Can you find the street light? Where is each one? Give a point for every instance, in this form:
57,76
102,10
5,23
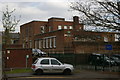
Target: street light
27,56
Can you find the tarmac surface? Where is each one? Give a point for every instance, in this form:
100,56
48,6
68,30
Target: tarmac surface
83,74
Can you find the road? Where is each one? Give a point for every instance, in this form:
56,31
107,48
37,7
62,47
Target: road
82,75
62,78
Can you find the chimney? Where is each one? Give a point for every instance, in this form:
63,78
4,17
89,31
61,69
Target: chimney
76,20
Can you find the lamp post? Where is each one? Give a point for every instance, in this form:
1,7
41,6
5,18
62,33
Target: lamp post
27,56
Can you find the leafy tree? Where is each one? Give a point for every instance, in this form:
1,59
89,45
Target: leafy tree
9,23
102,15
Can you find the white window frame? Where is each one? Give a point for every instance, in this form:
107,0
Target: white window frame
65,27
70,27
43,43
54,42
105,39
46,42
59,27
50,42
35,44
42,27
117,37
39,44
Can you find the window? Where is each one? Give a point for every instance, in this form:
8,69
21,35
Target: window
23,45
36,44
42,29
65,27
59,27
39,44
54,42
43,43
50,42
45,62
46,42
70,27
50,28
117,37
54,62
36,61
105,39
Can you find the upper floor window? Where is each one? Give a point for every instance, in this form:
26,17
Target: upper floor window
65,27
42,29
105,39
50,28
59,27
117,37
70,27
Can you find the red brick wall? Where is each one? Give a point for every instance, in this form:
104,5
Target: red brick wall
16,58
95,47
12,46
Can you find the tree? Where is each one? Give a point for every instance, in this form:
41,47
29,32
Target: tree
9,23
102,15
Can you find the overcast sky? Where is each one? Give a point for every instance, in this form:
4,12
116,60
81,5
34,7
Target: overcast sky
39,10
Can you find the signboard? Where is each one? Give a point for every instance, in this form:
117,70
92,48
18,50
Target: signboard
108,47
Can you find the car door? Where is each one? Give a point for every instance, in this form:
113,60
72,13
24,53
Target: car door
45,65
56,66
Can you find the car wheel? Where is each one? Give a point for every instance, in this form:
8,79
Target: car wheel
67,72
39,72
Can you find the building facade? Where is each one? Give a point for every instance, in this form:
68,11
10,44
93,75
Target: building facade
59,36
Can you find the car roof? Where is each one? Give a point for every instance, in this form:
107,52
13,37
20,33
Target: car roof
46,58
97,54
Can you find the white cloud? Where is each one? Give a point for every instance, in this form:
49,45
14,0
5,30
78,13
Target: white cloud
35,0
38,10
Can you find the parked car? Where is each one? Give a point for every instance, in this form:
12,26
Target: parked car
116,59
51,65
116,55
101,60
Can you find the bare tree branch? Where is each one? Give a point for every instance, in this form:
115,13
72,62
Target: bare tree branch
9,23
104,14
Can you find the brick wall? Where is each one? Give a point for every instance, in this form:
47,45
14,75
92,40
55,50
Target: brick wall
16,58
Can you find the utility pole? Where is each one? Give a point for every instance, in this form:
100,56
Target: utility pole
1,70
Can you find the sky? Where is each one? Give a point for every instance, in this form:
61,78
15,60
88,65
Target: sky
39,10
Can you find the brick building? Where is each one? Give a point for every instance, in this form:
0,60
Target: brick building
59,36
18,58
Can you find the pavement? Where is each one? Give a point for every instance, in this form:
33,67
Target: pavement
82,74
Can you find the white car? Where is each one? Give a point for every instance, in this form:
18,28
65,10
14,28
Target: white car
51,65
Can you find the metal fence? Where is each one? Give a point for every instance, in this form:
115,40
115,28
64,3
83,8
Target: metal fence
81,61
75,59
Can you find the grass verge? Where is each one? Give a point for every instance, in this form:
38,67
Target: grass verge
18,71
